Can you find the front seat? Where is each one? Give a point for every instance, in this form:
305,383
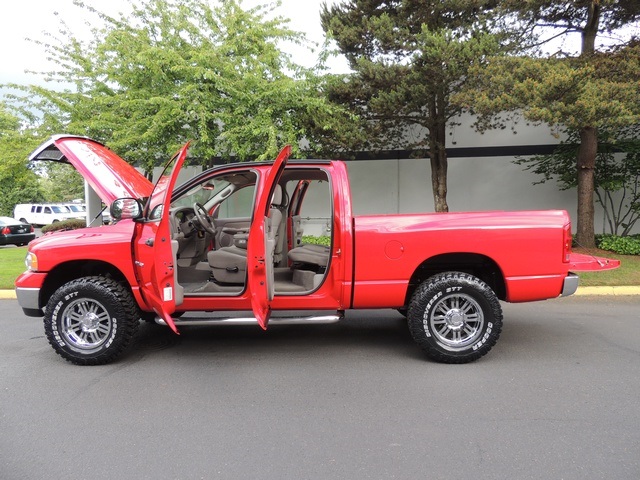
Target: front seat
229,264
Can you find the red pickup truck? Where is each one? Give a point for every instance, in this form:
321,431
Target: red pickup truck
230,240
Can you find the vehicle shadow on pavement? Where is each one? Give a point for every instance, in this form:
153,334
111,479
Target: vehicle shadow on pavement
363,336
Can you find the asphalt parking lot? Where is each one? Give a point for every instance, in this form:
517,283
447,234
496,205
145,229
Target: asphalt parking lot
556,398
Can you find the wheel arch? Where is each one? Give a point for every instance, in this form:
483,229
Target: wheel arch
75,269
478,265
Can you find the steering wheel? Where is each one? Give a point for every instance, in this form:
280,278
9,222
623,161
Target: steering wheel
204,219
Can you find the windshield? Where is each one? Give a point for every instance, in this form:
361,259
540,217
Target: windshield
215,191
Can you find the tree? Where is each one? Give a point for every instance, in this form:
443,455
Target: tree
597,89
174,70
18,184
408,57
61,182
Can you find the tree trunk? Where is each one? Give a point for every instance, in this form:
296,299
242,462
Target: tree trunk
586,163
439,166
439,181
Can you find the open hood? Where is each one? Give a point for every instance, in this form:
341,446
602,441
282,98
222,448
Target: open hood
108,174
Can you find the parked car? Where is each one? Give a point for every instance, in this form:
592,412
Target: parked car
81,210
42,213
13,232
78,209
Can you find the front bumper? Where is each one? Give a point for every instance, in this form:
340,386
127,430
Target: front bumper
28,299
28,287
570,284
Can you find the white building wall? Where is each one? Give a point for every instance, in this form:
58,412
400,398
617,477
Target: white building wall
488,183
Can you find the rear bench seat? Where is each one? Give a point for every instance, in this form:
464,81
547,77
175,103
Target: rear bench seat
317,255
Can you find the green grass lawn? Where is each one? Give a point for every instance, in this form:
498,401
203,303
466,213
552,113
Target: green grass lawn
12,265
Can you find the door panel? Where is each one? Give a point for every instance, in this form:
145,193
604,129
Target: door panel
155,251
260,249
232,225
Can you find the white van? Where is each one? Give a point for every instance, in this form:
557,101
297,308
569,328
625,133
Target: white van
42,213
80,210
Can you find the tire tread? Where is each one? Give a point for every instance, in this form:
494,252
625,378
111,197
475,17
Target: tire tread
128,327
419,302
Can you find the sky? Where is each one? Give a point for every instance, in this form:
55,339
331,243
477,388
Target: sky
25,19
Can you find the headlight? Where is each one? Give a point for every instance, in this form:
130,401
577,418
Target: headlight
31,261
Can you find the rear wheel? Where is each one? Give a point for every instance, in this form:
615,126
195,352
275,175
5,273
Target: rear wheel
91,320
455,317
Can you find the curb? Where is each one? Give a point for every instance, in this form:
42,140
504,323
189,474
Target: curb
582,291
7,294
616,291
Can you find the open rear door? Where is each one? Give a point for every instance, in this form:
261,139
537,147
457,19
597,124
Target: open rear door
154,253
260,248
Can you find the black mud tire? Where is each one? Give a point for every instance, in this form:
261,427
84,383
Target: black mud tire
455,317
91,320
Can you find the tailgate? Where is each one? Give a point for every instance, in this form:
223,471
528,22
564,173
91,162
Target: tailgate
579,262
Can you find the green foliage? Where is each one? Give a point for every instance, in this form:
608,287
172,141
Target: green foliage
629,245
175,70
71,224
18,184
571,92
321,240
61,182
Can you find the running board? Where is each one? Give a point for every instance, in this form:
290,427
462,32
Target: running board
310,320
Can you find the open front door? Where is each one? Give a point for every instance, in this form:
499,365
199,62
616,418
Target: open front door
154,251
261,246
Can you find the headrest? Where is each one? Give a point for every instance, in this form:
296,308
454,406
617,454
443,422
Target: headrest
277,196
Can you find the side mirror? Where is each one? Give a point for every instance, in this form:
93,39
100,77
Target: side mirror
123,208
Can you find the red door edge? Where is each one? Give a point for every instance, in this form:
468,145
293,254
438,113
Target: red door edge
258,271
161,291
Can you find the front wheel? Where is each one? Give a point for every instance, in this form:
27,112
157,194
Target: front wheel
91,320
455,317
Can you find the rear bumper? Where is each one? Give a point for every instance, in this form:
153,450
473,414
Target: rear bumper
17,239
570,284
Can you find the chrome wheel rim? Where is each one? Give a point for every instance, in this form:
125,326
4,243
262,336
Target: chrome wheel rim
86,324
456,321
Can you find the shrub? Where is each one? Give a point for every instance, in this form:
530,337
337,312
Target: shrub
322,240
72,224
628,245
